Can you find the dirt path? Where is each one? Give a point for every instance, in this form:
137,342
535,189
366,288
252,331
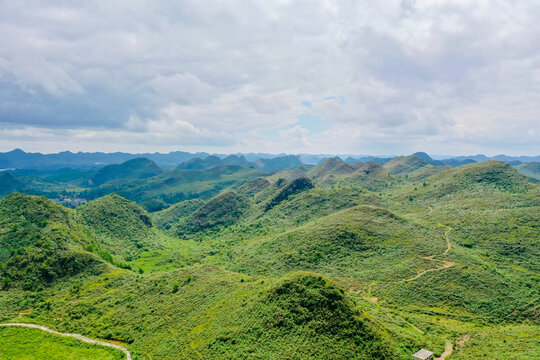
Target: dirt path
448,245
76,336
445,265
447,351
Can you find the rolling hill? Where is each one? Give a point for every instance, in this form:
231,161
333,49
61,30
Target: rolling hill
41,243
531,169
214,161
164,218
279,163
405,164
9,184
330,171
371,176
293,265
161,191
235,314
140,168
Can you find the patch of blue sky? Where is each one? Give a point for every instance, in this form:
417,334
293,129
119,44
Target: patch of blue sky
312,123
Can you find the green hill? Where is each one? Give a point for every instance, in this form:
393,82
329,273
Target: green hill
289,175
121,226
370,175
296,186
330,171
140,168
41,243
279,163
199,163
324,167
253,187
223,210
405,164
161,191
427,171
214,161
9,184
343,240
214,314
356,246
236,160
166,218
531,169
471,178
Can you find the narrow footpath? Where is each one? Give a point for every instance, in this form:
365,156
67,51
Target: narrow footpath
447,351
445,264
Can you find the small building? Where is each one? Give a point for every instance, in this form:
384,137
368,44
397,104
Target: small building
423,354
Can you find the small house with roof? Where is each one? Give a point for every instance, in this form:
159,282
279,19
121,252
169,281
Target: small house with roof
423,354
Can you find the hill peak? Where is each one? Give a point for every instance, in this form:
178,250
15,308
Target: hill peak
491,174
423,155
405,164
138,168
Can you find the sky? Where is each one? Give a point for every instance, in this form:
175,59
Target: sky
359,77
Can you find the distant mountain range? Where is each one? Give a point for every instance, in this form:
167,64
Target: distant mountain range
19,159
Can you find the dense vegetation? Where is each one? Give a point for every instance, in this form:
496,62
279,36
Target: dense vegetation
340,261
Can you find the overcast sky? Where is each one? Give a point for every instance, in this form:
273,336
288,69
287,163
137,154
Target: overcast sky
364,77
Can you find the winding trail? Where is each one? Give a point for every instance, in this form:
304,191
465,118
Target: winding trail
447,351
76,336
445,265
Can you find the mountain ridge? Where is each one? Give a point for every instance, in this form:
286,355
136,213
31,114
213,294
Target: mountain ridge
19,159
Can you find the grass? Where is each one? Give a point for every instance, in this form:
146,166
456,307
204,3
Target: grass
33,344
506,342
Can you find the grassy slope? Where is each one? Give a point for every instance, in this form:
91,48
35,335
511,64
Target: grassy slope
206,312
505,342
33,344
121,226
164,219
356,243
330,171
427,171
124,235
40,243
371,176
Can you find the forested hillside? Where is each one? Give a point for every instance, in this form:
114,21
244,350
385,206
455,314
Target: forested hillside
338,261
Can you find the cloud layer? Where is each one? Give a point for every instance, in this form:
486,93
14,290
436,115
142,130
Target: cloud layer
384,77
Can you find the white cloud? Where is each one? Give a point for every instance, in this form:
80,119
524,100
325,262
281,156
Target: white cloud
32,72
386,77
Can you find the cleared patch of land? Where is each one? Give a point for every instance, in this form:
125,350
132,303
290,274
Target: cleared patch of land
25,343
